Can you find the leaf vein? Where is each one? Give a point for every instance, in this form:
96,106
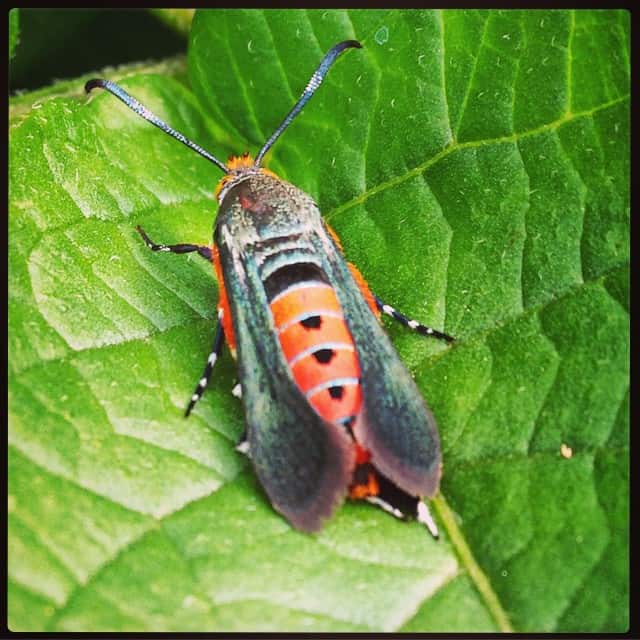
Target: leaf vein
450,242
529,311
583,191
468,561
439,13
463,105
241,83
50,550
572,28
471,144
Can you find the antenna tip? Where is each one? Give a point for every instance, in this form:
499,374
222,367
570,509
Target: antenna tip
350,43
93,83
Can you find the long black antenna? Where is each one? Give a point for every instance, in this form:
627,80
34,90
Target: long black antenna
141,110
313,84
315,81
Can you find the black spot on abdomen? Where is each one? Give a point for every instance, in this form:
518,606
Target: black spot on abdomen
324,356
336,392
312,322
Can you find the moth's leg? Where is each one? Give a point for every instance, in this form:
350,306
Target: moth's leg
412,324
424,516
218,341
401,505
377,306
422,513
205,252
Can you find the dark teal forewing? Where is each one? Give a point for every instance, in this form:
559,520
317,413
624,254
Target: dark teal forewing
395,425
304,463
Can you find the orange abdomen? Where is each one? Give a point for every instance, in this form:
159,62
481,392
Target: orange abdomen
321,353
319,349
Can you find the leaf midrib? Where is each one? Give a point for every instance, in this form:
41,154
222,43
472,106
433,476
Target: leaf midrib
468,561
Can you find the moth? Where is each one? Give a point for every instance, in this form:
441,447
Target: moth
331,411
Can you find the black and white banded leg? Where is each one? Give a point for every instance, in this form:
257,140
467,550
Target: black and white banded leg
422,513
402,505
205,252
412,324
424,516
218,341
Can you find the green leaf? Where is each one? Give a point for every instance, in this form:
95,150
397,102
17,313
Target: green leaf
177,19
14,31
64,43
475,165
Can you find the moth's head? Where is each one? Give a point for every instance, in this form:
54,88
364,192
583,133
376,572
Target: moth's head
238,168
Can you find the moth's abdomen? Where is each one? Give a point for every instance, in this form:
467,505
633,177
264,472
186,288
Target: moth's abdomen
318,348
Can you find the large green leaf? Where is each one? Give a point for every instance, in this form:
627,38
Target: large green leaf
177,19
475,165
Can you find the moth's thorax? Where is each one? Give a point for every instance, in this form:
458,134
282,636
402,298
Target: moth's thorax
269,221
240,168
259,205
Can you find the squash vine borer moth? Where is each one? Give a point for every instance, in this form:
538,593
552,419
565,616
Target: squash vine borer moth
330,409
